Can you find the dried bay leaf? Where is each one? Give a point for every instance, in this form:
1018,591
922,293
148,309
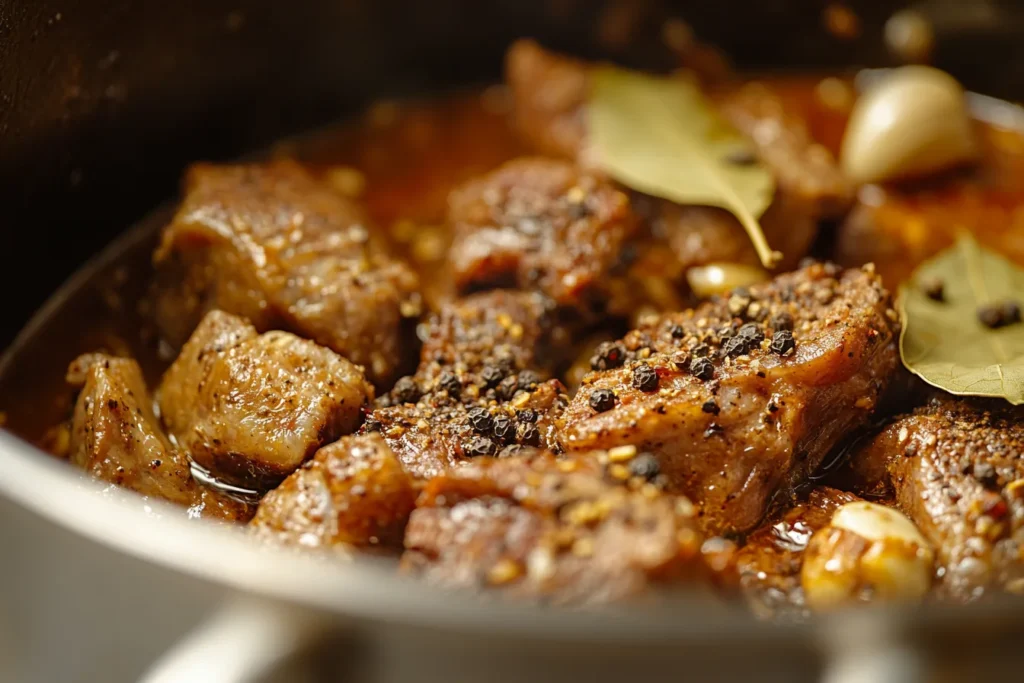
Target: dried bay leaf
944,343
662,137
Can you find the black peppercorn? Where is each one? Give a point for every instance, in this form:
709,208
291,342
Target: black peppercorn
752,332
736,346
528,415
528,379
783,342
677,331
645,378
406,390
491,376
781,321
528,434
480,420
504,430
479,446
507,388
602,400
701,351
450,382
645,465
711,407
608,355
702,368
681,360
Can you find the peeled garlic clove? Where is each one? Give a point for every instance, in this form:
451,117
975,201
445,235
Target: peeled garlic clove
866,552
719,278
912,123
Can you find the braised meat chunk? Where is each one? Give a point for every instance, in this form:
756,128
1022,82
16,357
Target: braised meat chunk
480,387
251,408
741,398
116,437
575,531
353,493
540,224
956,469
550,92
769,564
269,243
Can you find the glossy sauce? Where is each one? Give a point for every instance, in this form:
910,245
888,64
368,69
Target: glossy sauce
402,159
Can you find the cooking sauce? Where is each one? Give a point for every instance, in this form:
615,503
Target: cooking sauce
401,159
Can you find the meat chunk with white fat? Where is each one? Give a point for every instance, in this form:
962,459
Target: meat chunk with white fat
354,493
250,408
741,398
271,244
956,468
482,385
543,225
569,531
116,438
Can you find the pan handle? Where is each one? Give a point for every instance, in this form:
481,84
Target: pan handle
240,643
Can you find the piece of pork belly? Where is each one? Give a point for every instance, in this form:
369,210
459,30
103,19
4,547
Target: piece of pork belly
250,408
770,562
540,224
590,529
353,493
116,437
480,388
742,397
550,91
270,243
956,467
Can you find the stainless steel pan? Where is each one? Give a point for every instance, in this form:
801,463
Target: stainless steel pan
101,103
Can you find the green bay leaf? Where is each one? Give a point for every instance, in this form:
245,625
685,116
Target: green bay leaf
663,137
944,343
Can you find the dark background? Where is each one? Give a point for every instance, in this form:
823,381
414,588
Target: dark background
102,102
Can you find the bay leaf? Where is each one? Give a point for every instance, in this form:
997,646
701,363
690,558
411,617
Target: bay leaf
663,137
944,343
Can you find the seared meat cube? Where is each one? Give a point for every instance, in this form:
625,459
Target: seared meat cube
743,397
479,388
550,94
542,225
956,469
353,492
769,564
440,431
561,531
251,408
271,244
116,437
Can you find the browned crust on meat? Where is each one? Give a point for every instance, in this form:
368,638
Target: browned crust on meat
763,422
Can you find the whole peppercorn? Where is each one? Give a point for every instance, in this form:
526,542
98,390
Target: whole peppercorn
450,382
783,342
736,346
710,407
479,446
608,355
504,430
701,351
702,368
781,321
480,420
491,376
602,400
507,388
645,378
406,390
528,434
677,331
528,379
528,415
645,465
752,332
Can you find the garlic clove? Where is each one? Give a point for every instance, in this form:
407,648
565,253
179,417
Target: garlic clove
912,123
